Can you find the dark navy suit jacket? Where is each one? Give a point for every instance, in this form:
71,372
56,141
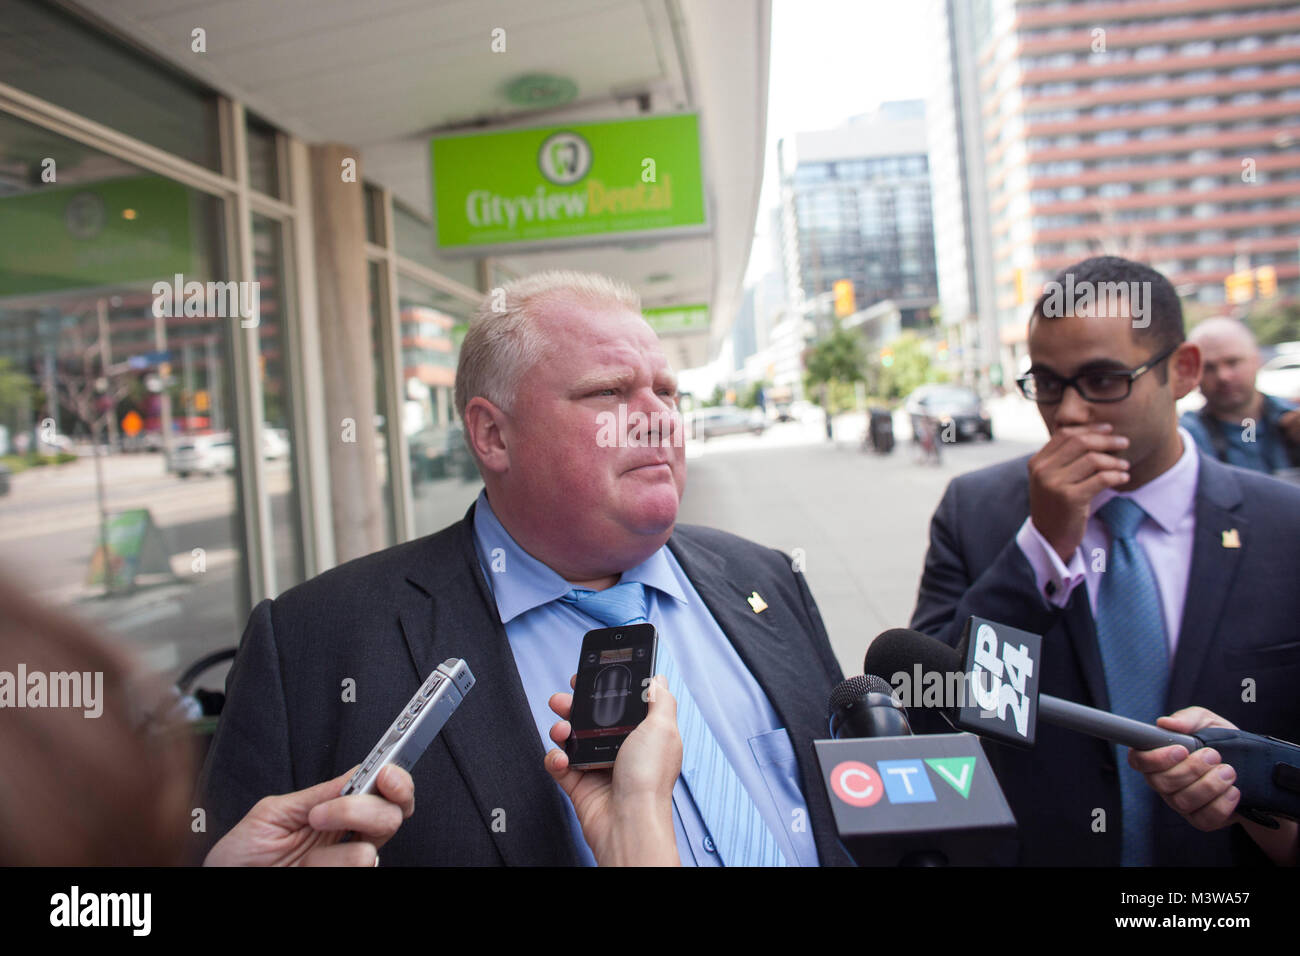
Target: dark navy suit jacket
1240,629
483,796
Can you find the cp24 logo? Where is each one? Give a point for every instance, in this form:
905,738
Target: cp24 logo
988,687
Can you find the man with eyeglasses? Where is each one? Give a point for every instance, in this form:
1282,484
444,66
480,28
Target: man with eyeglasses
1160,578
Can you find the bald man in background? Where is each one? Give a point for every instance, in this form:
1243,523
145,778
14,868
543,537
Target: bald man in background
1230,360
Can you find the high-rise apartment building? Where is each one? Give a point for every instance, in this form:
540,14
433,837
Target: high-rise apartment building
962,237
1167,132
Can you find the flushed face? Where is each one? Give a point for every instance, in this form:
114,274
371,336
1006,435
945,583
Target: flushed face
601,502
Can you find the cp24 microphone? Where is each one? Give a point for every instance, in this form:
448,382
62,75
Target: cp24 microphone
997,697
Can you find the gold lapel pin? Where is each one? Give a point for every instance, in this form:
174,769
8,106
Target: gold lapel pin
1231,539
757,603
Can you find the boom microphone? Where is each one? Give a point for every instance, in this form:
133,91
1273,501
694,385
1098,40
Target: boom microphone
903,651
1000,670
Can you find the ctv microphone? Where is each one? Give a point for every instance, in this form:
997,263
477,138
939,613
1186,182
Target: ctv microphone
901,800
863,707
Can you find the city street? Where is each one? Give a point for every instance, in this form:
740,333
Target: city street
862,520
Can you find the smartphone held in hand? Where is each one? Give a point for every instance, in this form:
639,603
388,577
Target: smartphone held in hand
612,692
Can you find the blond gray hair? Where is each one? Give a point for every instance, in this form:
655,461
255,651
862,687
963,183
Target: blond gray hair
503,341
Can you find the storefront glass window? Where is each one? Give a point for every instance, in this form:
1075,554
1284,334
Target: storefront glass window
46,52
444,478
263,160
378,315
279,445
116,407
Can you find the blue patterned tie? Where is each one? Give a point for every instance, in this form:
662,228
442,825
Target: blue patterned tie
734,823
1135,657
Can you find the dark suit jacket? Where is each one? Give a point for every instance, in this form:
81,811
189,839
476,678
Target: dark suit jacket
1241,622
388,619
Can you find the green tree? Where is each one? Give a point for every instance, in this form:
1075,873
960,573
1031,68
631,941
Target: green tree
750,398
17,395
909,368
832,364
1275,323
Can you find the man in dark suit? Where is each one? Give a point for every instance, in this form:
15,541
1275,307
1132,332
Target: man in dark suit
569,407
1159,577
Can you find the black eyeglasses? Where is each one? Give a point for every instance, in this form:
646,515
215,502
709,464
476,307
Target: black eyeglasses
1107,385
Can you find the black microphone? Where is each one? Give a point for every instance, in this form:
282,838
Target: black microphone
863,707
918,656
1268,769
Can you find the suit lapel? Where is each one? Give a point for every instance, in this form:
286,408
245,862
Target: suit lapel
1082,628
772,659
1214,568
450,612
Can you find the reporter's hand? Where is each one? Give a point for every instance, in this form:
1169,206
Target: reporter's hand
1066,474
1199,786
626,813
303,828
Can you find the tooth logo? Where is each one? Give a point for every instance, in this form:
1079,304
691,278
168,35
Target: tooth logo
565,158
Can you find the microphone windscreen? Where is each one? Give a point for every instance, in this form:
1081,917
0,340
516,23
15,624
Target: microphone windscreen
901,649
851,691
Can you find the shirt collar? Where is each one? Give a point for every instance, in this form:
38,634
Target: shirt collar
529,583
1168,497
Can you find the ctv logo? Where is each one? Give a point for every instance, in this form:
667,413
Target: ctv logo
902,781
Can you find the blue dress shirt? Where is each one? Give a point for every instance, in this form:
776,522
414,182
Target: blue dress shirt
545,636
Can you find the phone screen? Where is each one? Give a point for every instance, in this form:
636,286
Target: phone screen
612,692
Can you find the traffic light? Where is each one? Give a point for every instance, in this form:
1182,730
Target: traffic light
844,303
1239,287
886,357
1266,281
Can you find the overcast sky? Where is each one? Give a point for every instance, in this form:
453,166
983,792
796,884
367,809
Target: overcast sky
832,59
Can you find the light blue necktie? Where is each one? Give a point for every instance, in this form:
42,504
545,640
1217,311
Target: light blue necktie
737,828
1135,657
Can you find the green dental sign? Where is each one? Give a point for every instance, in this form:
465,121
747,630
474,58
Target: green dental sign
678,318
568,182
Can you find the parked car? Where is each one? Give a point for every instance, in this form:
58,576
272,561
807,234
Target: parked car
203,454
275,443
950,403
1280,375
439,452
727,420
